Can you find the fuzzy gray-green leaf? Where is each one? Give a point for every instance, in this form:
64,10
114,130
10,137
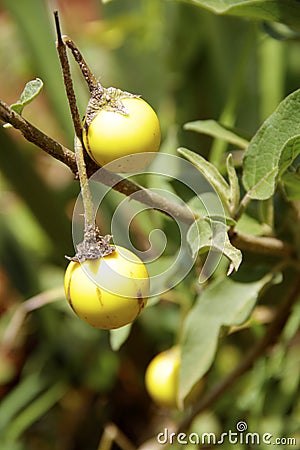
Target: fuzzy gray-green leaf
210,172
30,92
273,149
216,130
206,234
234,185
223,303
118,336
283,11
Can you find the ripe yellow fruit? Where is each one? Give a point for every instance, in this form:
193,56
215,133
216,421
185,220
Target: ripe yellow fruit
161,377
109,292
112,135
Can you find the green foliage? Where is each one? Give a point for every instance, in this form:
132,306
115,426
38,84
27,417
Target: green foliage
30,92
255,9
250,226
224,80
273,149
291,185
234,195
33,411
19,398
211,173
211,235
36,33
119,336
43,202
223,303
217,130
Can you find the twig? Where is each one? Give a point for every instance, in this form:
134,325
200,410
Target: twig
88,75
112,434
93,245
115,181
37,137
32,134
89,215
62,53
17,320
272,334
261,244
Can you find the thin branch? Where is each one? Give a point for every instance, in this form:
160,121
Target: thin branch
271,336
20,314
146,196
112,434
89,216
262,245
115,181
88,75
62,53
37,137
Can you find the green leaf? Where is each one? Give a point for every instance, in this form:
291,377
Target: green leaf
249,225
210,172
19,397
216,130
266,215
287,12
206,234
290,153
234,185
35,29
223,303
118,336
11,445
291,185
208,205
30,92
35,410
273,149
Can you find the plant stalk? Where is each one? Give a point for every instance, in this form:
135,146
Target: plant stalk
89,214
88,75
256,244
94,245
62,53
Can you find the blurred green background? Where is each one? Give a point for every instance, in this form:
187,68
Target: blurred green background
60,381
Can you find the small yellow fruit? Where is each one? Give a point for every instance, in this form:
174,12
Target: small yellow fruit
161,377
108,292
112,135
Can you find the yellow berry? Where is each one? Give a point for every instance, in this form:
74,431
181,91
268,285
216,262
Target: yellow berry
112,135
108,292
161,377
